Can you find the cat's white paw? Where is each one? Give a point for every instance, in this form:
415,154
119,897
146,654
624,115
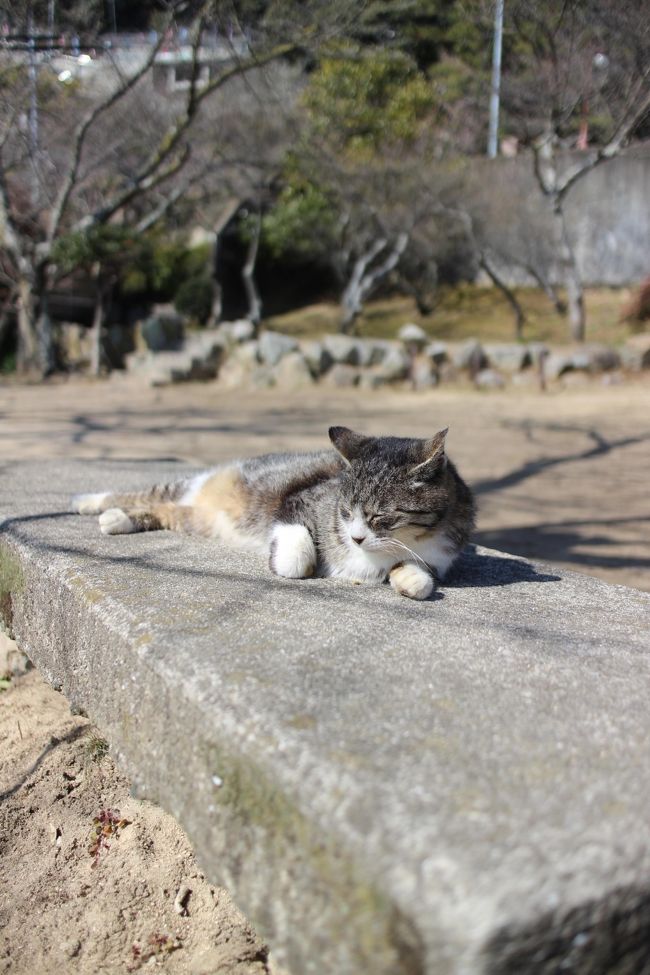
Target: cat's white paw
115,522
412,581
293,553
88,504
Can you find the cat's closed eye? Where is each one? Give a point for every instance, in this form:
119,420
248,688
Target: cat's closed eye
414,511
345,512
387,522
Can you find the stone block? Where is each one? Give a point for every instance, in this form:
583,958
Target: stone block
395,363
247,353
596,358
508,357
455,786
423,373
489,379
161,333
413,336
637,351
274,345
318,358
241,330
469,356
343,349
342,375
556,364
437,352
293,372
373,378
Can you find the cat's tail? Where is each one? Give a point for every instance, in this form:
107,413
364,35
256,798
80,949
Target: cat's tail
95,504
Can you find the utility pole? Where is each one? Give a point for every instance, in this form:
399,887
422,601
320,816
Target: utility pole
32,116
496,80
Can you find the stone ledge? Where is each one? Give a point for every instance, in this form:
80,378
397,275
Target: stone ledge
457,786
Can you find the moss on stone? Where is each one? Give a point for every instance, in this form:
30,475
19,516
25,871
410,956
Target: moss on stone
384,938
11,582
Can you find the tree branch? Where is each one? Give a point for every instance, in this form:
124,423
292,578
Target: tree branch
9,236
139,187
631,119
82,130
146,178
168,201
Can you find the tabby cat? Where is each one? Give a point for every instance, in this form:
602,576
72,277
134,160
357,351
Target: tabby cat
373,508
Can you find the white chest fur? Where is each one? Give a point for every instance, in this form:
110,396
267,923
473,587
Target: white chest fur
436,550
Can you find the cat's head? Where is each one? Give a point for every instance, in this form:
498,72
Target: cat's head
392,488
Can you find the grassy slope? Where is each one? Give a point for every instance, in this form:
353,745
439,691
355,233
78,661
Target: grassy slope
468,311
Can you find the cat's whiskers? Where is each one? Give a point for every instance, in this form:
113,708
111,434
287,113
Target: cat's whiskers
385,544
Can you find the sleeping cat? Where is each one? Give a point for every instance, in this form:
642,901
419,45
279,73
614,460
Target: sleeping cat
375,507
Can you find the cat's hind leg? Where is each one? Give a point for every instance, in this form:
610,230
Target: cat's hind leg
90,504
121,521
293,553
95,504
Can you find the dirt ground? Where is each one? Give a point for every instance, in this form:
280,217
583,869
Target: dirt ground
562,477
68,905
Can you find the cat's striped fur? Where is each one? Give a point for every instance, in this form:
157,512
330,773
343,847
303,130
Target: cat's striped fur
374,508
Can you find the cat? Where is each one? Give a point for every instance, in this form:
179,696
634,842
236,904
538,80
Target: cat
373,508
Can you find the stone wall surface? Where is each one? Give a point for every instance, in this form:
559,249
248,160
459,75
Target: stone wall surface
607,215
232,355
455,786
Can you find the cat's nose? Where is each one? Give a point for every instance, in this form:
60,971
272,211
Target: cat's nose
359,539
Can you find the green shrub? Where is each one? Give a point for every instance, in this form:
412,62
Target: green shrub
196,260
194,299
7,363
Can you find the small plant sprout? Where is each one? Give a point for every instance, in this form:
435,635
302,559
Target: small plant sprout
96,747
107,823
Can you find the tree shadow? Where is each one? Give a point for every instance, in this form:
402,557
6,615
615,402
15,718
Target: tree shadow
564,540
194,421
53,743
567,540
601,446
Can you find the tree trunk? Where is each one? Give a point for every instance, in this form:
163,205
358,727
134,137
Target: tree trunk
35,345
27,357
548,289
97,328
46,357
6,317
217,291
254,313
572,281
510,296
364,279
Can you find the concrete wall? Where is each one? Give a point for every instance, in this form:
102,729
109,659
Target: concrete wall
608,212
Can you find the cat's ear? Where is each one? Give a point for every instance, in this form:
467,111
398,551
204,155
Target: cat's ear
433,458
347,442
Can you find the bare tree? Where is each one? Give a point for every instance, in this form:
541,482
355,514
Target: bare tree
573,58
95,162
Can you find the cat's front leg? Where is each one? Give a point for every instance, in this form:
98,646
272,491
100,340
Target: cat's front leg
410,579
293,553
